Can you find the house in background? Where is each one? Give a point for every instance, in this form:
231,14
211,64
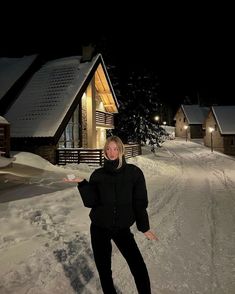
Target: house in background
4,137
189,121
65,109
220,129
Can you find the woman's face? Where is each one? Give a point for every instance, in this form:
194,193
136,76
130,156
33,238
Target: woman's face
112,151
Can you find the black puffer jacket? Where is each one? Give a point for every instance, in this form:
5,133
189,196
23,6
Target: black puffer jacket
118,197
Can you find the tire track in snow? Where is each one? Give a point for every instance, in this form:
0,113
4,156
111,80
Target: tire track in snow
190,162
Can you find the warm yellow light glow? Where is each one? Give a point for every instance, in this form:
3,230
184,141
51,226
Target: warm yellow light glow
157,117
84,97
164,123
185,127
104,91
211,129
101,106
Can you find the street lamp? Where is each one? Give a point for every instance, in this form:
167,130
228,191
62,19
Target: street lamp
186,133
157,118
211,130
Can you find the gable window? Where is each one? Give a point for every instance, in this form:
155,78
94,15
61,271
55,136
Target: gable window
71,135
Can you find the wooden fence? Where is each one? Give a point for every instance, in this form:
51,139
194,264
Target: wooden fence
75,155
90,156
132,150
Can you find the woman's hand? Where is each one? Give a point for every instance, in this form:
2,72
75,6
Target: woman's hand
73,179
150,235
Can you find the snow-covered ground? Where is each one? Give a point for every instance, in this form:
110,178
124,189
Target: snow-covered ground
44,228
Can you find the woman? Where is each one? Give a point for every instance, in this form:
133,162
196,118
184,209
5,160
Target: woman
117,196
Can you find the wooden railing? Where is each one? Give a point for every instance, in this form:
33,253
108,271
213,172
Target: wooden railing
5,140
73,155
104,118
90,156
132,150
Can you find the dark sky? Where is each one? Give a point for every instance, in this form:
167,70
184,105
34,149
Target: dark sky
191,50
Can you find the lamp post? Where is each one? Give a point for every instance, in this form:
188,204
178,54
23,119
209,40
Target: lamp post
186,133
211,130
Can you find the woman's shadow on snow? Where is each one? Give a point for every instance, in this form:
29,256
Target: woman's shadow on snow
76,258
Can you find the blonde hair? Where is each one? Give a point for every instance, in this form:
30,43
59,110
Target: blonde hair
120,146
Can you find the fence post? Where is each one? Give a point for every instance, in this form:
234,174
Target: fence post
100,152
78,156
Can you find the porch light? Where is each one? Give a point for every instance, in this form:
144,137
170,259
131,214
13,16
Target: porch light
211,129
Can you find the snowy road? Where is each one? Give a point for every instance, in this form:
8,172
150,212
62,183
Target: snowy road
44,243
193,212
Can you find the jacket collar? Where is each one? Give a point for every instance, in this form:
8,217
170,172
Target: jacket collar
111,165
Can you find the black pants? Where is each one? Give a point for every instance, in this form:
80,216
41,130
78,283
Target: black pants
102,250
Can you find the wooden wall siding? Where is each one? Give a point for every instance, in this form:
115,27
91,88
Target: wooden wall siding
104,119
104,90
84,122
179,125
5,140
229,145
90,156
48,152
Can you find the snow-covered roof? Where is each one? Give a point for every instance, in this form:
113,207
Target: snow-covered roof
11,69
42,106
225,118
3,121
195,114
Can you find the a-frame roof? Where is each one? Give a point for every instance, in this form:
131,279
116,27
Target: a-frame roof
195,114
53,92
225,118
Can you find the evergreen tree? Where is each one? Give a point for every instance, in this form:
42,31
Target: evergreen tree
136,89
139,104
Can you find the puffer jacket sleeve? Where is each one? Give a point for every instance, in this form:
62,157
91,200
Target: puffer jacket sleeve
140,202
89,192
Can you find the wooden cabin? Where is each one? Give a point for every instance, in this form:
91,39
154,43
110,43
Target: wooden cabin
4,137
66,108
220,129
189,121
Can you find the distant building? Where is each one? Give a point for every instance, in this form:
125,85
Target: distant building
220,129
189,121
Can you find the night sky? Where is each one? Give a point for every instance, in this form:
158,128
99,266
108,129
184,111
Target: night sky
191,51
